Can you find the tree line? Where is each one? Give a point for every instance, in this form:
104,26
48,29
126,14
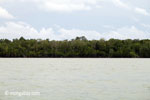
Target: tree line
78,47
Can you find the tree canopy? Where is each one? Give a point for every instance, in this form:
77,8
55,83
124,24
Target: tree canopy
78,47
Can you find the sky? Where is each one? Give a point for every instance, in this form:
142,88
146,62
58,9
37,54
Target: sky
67,19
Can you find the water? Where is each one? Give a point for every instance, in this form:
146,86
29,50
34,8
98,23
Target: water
75,79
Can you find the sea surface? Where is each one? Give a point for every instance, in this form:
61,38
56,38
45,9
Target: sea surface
74,79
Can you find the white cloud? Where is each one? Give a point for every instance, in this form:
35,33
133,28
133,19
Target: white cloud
132,8
142,11
128,33
119,3
5,14
72,33
122,33
66,6
16,29
61,5
146,25
78,5
13,30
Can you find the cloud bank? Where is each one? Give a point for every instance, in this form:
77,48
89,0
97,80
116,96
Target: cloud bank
13,30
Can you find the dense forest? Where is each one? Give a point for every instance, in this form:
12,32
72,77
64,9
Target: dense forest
78,47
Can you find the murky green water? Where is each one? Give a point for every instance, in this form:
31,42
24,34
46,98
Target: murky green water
75,79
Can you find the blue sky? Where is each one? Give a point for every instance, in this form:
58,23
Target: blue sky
66,19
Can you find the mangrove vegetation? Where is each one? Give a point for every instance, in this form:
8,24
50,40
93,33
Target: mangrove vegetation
78,47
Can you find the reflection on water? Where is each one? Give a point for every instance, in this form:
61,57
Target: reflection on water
76,79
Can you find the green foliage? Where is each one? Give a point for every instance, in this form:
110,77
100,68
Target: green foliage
78,47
